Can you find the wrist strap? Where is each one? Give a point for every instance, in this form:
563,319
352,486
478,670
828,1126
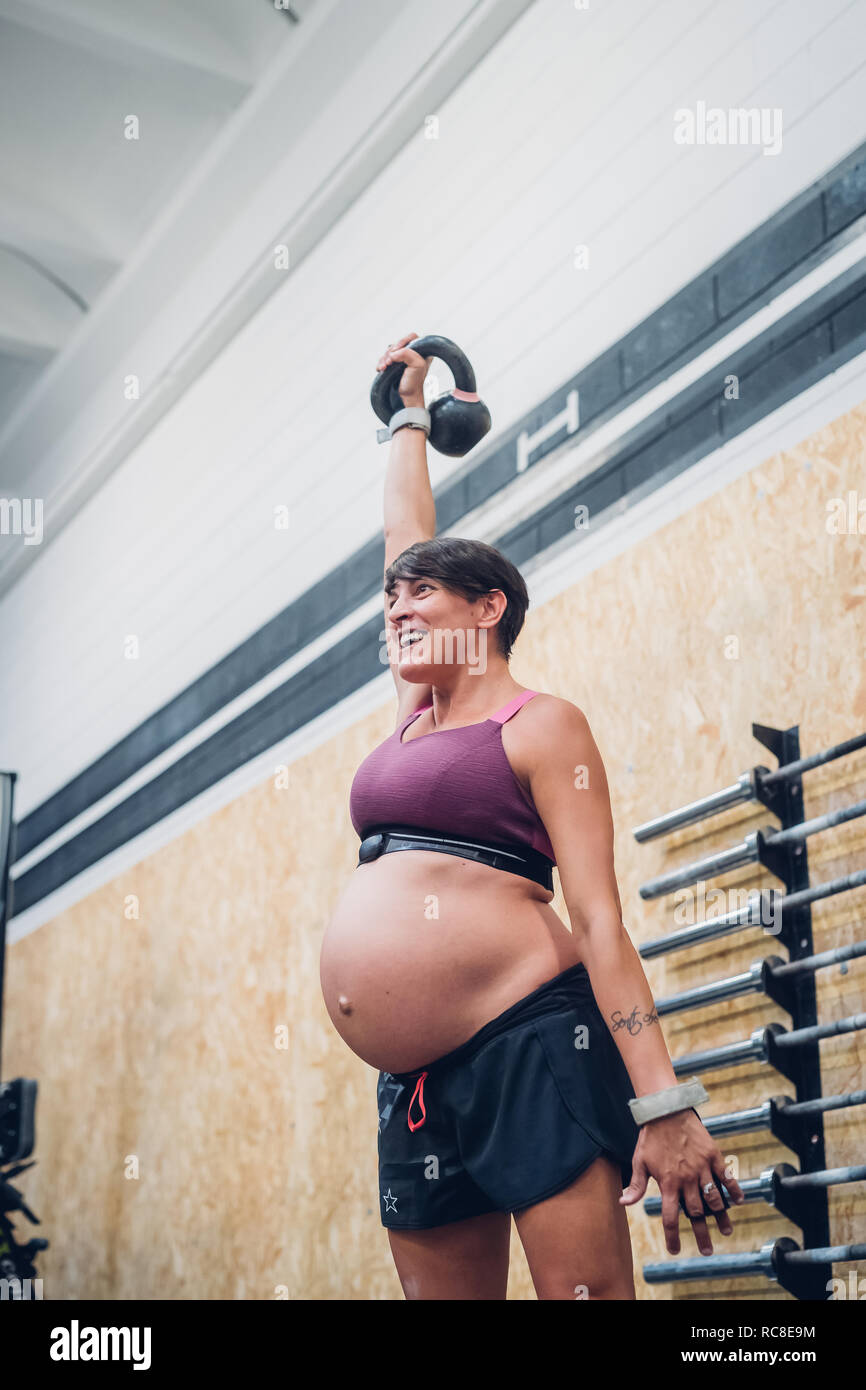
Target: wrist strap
416,416
685,1096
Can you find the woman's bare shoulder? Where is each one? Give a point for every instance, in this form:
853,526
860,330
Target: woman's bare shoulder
543,724
549,717
548,707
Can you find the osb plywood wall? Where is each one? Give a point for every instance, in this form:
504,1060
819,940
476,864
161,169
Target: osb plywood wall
202,1132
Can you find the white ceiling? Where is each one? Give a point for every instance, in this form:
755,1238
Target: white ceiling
79,197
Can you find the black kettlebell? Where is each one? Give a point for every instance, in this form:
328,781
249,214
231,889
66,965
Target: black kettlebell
458,419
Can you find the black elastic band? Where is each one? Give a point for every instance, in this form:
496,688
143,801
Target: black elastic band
708,1210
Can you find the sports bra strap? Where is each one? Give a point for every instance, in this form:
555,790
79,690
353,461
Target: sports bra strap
503,715
416,712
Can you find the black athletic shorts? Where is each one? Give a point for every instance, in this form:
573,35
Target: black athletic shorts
510,1117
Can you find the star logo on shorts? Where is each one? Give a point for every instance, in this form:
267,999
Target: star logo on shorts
389,1197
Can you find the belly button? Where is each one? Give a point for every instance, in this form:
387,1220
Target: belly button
345,1006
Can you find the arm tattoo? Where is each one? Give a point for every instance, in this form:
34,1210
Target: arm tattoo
633,1022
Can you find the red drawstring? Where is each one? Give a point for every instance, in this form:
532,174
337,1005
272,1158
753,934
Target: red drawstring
419,1092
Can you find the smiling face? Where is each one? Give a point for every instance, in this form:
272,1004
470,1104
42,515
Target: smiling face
431,627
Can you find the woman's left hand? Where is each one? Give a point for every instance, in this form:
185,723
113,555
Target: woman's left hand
680,1154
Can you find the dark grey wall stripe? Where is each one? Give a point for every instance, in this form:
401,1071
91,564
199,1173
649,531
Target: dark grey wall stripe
800,235
288,632
334,675
816,338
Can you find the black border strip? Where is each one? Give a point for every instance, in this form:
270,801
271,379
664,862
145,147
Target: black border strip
799,236
815,339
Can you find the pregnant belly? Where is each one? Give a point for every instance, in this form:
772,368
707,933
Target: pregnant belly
423,949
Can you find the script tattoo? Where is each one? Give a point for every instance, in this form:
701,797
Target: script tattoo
634,1022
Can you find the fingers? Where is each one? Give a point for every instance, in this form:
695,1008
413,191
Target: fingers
637,1186
671,1218
695,1212
689,1195
733,1187
695,1195
714,1197
392,352
391,355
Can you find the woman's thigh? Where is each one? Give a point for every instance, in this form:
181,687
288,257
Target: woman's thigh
464,1259
577,1243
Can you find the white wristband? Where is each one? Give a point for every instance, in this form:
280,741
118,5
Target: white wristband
414,415
667,1102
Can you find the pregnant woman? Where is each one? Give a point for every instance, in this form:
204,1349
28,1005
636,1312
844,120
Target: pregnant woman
508,1045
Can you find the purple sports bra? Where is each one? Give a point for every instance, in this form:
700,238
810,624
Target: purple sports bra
452,781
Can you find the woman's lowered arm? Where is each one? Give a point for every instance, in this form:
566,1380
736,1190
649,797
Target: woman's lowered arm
570,790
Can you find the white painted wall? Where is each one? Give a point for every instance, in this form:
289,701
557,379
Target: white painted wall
561,135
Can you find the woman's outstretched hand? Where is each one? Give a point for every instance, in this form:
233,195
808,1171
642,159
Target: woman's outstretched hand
411,388
679,1153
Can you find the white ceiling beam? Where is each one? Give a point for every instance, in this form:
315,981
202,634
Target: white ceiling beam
159,53
36,307
50,238
47,233
14,345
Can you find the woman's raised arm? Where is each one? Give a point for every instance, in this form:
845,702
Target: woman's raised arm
409,508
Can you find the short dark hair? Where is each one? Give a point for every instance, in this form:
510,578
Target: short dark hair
470,568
